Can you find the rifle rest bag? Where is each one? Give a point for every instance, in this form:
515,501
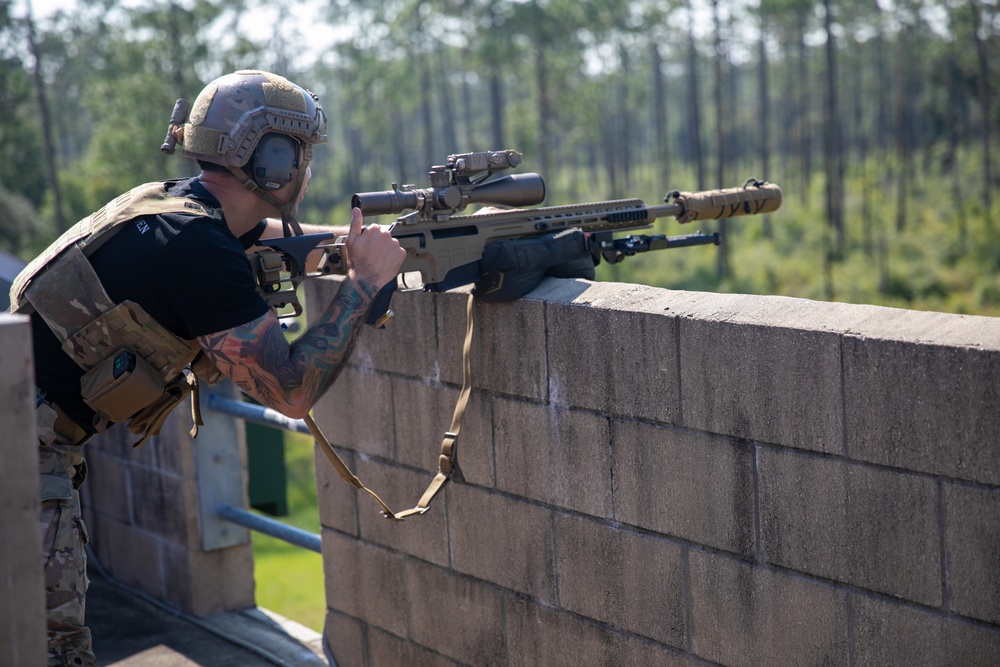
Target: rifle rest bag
512,268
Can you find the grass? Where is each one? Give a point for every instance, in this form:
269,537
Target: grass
290,578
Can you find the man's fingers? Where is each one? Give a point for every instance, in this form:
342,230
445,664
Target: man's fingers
356,225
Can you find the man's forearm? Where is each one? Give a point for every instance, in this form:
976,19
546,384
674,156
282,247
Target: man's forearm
323,350
290,379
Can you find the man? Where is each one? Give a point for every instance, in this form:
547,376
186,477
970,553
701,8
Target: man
158,282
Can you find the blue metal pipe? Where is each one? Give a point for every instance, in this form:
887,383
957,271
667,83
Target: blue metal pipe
255,413
281,531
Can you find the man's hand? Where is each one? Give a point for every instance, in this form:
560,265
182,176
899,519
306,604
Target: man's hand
373,256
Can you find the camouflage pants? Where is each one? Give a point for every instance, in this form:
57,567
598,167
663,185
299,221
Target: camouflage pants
64,537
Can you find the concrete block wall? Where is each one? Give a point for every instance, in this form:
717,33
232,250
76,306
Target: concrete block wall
22,598
144,514
653,477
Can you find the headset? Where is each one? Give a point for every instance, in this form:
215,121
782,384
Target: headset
275,161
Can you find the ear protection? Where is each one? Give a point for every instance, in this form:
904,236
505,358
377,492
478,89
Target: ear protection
274,162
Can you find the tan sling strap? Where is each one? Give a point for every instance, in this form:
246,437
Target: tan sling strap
446,460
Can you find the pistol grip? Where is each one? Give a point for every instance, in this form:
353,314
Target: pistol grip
379,313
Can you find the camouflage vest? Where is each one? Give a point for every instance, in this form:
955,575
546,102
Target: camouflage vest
63,288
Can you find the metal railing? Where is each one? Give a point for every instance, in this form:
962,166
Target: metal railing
259,414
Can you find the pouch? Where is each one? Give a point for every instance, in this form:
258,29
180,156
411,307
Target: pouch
121,385
512,268
148,421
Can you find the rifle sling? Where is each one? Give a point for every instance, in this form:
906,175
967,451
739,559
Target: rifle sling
446,460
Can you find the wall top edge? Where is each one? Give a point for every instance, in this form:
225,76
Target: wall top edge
863,321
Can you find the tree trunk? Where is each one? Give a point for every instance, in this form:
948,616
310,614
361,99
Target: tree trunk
721,139
803,125
764,114
660,114
51,164
449,128
987,112
544,107
694,104
624,111
832,141
496,87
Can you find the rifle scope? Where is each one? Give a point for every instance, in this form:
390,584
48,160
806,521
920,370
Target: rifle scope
513,190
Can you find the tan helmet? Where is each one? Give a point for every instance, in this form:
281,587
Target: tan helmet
233,113
259,126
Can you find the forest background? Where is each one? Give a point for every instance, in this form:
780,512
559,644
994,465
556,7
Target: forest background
878,118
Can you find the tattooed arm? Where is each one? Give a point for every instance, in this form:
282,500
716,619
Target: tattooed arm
291,378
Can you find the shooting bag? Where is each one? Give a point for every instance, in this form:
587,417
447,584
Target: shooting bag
135,368
510,269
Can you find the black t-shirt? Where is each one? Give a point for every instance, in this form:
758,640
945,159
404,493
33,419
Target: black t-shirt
189,272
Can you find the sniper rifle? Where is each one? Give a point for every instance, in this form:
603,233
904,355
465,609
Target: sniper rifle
446,249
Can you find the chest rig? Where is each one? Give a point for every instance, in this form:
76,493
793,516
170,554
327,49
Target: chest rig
135,369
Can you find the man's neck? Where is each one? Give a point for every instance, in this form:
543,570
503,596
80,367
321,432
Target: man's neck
242,208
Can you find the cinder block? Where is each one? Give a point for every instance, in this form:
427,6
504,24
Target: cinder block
748,615
173,452
765,383
924,407
972,550
386,649
356,413
132,556
508,345
452,307
509,350
366,582
163,504
424,536
889,633
615,361
854,523
629,581
503,541
640,652
405,345
455,615
337,500
684,483
107,485
541,636
345,638
423,413
205,582
220,580
557,456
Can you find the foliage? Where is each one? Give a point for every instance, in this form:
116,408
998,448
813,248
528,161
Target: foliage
290,579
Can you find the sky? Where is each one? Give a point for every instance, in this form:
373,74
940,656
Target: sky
259,25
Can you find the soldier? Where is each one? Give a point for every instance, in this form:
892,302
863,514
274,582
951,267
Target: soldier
141,298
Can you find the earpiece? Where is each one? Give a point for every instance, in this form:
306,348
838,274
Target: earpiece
274,161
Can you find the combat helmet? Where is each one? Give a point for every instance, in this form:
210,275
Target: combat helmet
258,125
